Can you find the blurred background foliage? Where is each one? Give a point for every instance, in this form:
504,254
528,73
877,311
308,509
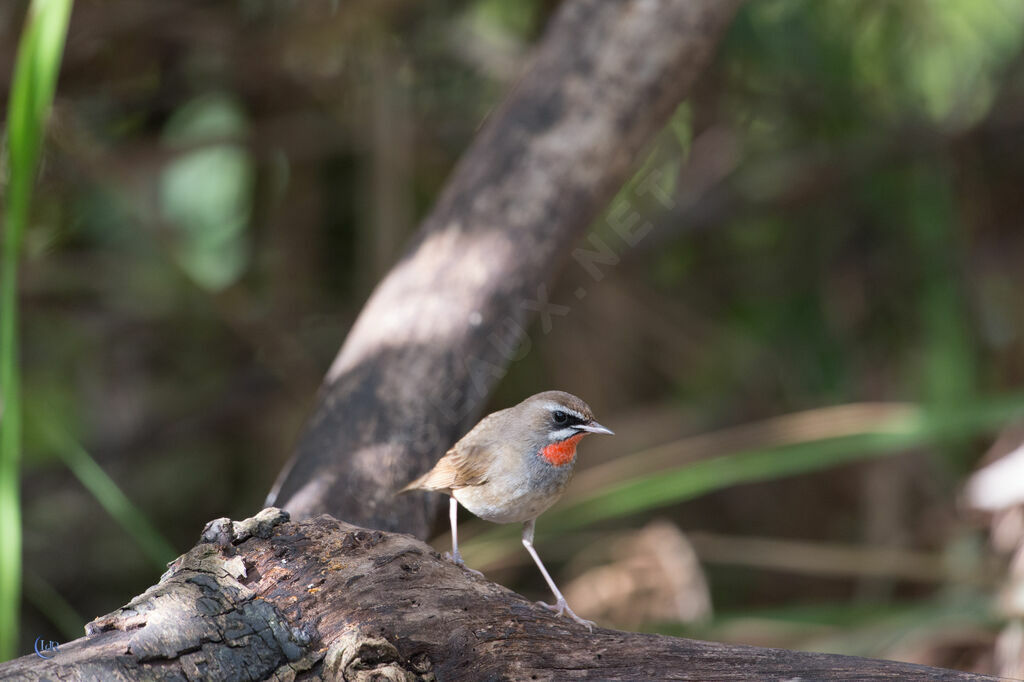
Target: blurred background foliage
804,357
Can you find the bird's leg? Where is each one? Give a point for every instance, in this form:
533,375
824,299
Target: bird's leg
455,557
561,606
453,513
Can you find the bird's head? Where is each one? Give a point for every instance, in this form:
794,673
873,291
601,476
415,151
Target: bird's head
559,420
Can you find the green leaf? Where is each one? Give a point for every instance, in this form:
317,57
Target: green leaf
35,77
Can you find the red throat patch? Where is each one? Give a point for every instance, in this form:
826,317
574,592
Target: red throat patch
560,454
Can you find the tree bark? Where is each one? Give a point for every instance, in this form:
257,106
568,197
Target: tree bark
267,598
443,326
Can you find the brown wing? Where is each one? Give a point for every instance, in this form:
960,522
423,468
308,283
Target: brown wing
459,468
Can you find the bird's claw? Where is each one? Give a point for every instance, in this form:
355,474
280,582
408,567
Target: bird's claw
561,608
457,560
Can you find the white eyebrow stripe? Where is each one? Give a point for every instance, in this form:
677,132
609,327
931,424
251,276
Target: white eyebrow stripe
555,407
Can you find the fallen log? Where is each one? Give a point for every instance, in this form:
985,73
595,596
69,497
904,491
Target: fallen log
267,598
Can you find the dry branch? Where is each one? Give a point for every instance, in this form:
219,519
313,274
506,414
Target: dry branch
267,598
442,327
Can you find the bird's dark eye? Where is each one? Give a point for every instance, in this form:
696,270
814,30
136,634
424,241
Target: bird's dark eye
560,417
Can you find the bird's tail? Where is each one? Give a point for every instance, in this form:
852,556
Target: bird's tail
415,485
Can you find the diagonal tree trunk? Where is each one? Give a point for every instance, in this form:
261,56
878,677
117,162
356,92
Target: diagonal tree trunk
270,599
443,326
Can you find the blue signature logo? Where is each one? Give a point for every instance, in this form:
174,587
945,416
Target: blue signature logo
42,648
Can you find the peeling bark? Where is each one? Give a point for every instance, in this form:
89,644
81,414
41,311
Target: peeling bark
443,326
267,598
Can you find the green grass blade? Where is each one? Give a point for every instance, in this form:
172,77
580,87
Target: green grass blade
152,543
911,428
52,604
35,77
664,488
659,489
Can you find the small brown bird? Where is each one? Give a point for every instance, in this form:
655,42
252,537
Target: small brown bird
512,466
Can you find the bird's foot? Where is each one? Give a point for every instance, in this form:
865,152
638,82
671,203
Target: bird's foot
457,560
562,609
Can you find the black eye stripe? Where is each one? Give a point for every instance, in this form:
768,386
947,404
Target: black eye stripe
562,418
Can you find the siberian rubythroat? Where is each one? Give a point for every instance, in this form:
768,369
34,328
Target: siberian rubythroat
512,466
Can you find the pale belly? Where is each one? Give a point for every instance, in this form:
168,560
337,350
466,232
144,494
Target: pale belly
513,506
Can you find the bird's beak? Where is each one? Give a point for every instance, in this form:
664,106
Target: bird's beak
594,427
